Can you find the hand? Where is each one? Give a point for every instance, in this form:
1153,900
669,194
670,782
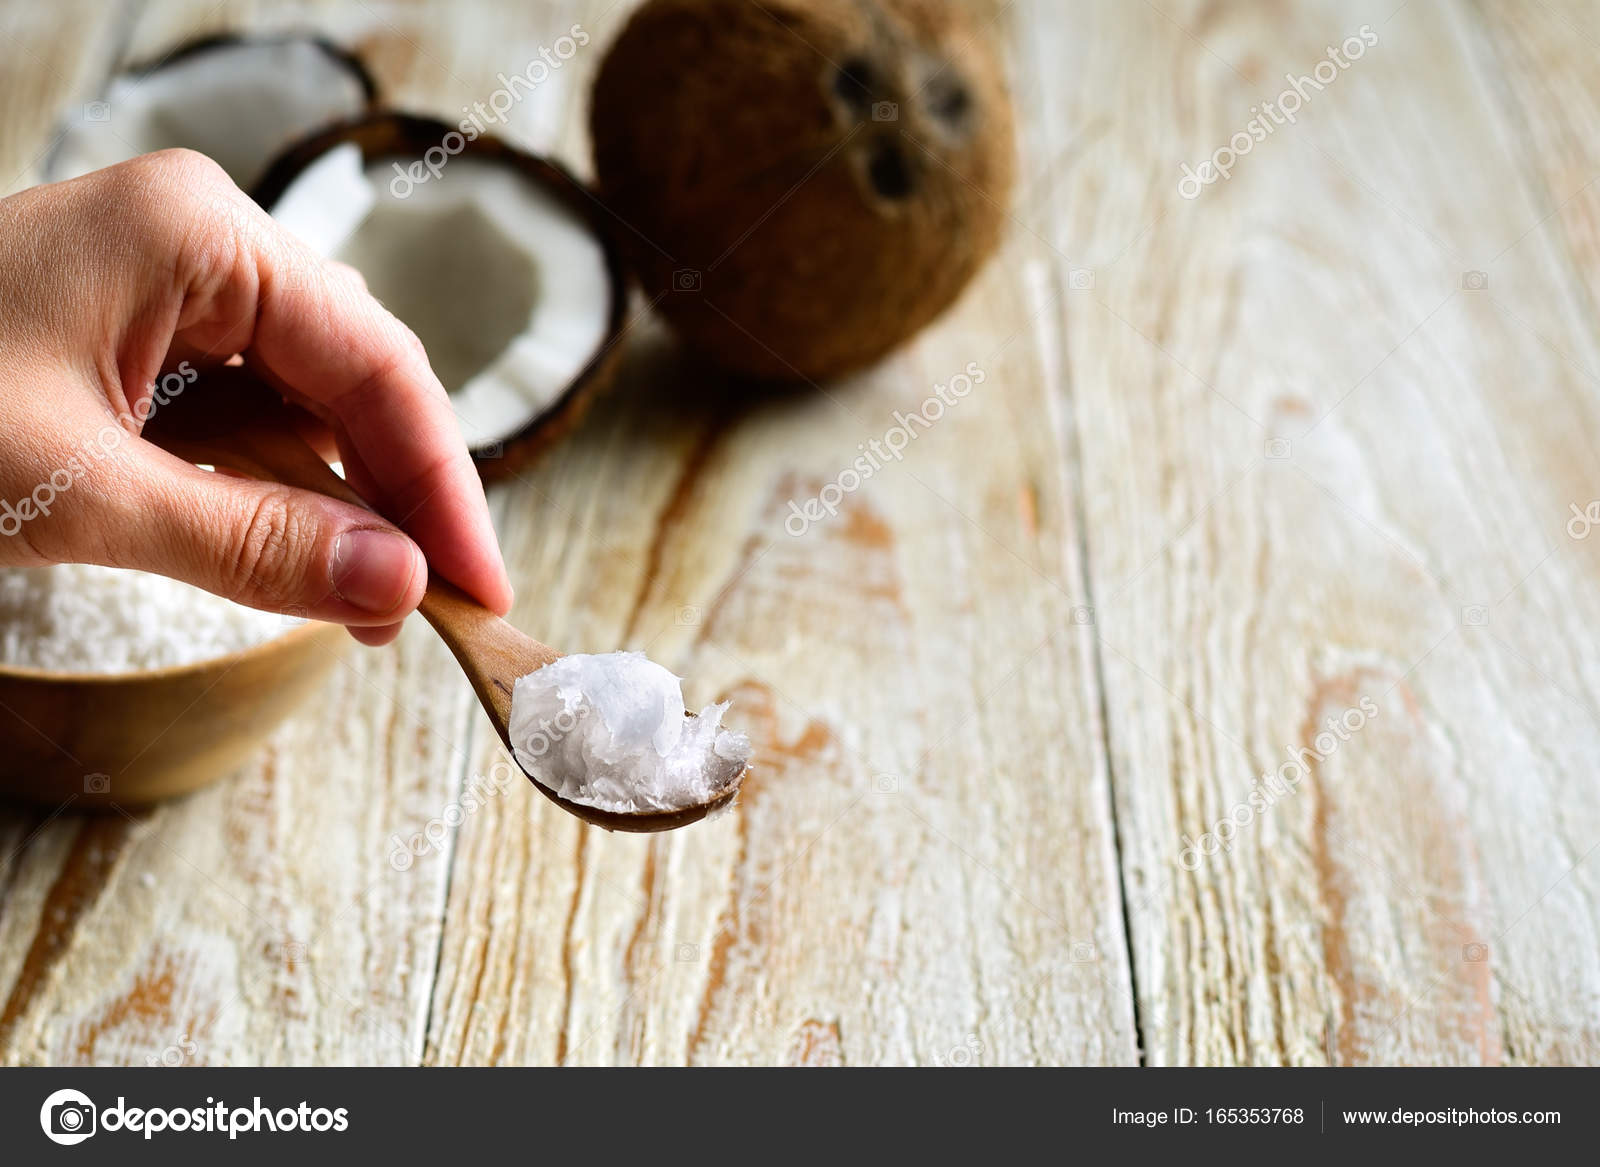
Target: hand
156,270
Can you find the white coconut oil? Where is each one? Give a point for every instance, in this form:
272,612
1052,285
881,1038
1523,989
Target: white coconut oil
610,731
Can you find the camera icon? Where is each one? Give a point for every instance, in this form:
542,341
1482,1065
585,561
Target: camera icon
687,616
1475,953
293,616
97,783
885,111
97,111
1474,615
1081,279
686,953
1474,281
490,450
68,1117
885,784
1084,953
1083,615
1277,449
293,952
72,1118
686,279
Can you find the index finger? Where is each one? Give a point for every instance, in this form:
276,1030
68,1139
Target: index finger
327,340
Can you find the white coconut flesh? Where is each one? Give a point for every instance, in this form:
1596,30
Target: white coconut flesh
507,288
240,103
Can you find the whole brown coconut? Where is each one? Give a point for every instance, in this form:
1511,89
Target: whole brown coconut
805,183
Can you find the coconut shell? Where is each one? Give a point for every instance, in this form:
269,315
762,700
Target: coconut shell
176,133
806,183
404,137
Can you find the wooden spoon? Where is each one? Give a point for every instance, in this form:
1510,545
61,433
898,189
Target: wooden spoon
237,421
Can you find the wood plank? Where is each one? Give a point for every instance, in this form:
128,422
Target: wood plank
262,920
927,843
1544,282
57,56
1319,467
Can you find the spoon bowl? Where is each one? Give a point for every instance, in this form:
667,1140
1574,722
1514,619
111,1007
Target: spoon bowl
493,654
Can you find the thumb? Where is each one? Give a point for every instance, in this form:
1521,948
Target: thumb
269,546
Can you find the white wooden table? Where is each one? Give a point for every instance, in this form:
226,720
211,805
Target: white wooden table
1239,462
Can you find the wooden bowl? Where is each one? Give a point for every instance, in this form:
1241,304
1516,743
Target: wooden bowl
132,738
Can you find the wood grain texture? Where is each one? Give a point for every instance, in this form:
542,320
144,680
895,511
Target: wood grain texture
1236,464
1334,409
260,921
57,58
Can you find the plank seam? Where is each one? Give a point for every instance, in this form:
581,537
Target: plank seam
1075,483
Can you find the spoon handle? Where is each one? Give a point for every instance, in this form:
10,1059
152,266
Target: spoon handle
241,423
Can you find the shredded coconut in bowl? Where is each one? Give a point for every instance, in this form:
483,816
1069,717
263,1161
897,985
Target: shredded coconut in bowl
82,618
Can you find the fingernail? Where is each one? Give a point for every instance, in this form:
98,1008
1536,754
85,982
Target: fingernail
372,569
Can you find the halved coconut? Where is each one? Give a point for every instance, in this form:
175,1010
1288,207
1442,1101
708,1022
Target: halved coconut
499,261
239,100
